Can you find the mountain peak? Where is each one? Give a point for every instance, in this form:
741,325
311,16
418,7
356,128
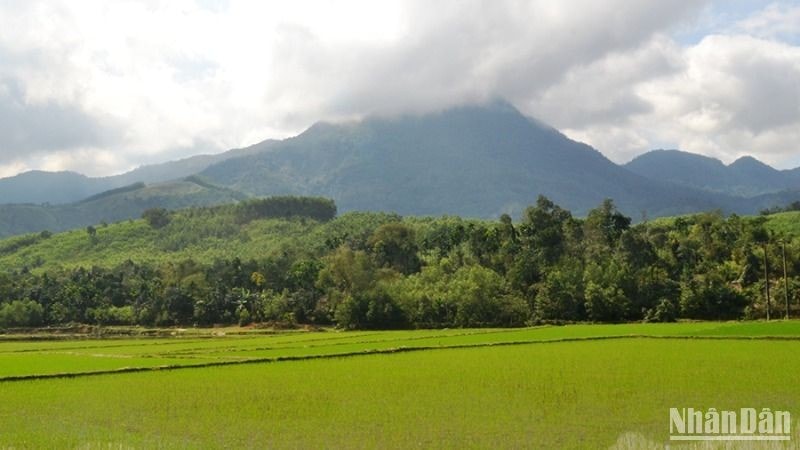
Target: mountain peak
476,160
751,162
746,177
674,156
495,107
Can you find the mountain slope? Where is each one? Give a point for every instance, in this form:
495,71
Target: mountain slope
173,170
38,186
66,187
476,161
118,204
745,177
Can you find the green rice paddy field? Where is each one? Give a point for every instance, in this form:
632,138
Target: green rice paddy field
577,386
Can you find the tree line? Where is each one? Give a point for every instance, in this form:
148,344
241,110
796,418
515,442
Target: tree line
548,267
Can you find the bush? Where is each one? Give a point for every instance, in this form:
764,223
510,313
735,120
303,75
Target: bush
711,299
370,310
317,208
112,315
156,217
665,311
21,313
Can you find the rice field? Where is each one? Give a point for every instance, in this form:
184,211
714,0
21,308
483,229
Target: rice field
577,386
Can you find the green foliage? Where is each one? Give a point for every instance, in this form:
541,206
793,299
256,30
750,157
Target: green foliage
156,217
470,296
394,246
543,229
110,207
561,296
372,309
711,297
794,206
15,244
112,315
665,311
604,226
115,191
376,270
316,208
21,313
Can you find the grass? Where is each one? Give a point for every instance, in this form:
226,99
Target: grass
565,395
558,387
97,355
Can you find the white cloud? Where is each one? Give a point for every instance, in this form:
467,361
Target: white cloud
152,80
727,96
170,74
733,93
776,21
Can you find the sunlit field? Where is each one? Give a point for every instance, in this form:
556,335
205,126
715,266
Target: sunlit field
578,386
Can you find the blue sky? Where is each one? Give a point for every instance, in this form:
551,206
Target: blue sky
717,17
101,87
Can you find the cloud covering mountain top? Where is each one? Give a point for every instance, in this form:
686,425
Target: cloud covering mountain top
100,87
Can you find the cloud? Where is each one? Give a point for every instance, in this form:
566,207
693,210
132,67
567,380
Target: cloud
727,96
31,127
129,82
604,93
776,21
467,51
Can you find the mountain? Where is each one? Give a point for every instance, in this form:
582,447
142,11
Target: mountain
66,187
112,206
474,161
477,161
746,177
173,170
38,186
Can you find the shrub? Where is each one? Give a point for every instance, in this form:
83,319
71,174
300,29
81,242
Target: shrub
665,311
112,315
156,217
21,313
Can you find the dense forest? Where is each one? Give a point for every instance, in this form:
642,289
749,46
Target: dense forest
290,260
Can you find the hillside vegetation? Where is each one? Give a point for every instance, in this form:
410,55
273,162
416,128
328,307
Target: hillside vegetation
289,259
116,204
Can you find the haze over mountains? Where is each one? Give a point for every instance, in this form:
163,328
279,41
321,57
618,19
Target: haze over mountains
476,161
39,186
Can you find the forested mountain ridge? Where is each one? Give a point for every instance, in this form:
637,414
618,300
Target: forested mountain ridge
477,161
747,176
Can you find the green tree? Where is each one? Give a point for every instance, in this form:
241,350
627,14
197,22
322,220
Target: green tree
156,217
394,246
21,313
603,227
542,230
560,296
